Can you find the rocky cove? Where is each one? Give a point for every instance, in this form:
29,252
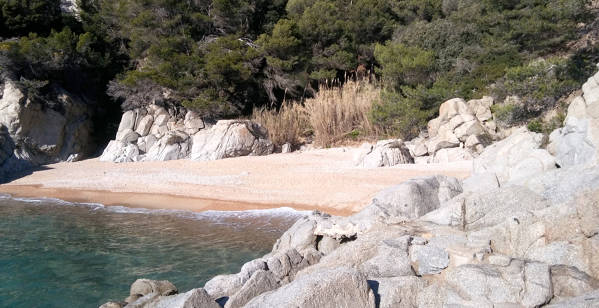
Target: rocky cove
170,133
522,231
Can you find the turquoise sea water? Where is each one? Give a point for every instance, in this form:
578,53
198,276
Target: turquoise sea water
59,254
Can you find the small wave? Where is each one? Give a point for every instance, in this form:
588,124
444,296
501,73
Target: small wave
210,214
53,201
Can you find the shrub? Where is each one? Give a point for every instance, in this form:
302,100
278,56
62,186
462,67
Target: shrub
397,115
504,113
540,84
548,126
535,125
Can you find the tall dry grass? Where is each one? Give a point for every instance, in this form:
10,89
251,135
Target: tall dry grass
287,125
339,112
336,114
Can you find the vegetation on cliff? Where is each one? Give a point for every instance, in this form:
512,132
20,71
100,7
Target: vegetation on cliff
226,58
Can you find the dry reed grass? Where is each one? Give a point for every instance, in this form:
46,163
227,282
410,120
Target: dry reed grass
339,112
287,125
335,115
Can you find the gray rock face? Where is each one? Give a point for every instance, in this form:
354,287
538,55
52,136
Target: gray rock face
231,138
528,284
570,282
261,281
588,300
564,184
515,158
384,153
413,198
390,260
481,182
397,292
341,287
452,155
576,143
300,236
227,285
39,134
428,259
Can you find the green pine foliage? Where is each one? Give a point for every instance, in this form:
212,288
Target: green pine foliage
225,58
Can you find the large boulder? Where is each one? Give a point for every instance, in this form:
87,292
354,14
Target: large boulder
384,153
340,287
515,158
578,141
231,138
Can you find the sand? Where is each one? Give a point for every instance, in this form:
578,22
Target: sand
322,179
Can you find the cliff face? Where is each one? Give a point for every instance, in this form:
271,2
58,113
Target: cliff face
522,231
36,133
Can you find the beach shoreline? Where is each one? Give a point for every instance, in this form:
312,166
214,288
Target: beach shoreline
152,201
325,180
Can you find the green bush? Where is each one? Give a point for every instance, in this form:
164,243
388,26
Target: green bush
396,115
505,114
539,83
535,126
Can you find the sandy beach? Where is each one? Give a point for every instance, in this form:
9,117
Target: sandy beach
324,179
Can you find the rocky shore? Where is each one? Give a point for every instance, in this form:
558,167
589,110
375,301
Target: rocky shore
522,231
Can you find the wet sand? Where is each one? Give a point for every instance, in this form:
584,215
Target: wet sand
324,180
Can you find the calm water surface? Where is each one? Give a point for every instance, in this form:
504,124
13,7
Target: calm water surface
59,254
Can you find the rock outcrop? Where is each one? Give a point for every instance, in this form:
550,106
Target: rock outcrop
153,133
37,133
157,134
461,132
578,141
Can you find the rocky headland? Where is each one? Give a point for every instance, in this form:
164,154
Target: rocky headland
522,231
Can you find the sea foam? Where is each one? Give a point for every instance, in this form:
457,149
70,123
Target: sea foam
214,215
